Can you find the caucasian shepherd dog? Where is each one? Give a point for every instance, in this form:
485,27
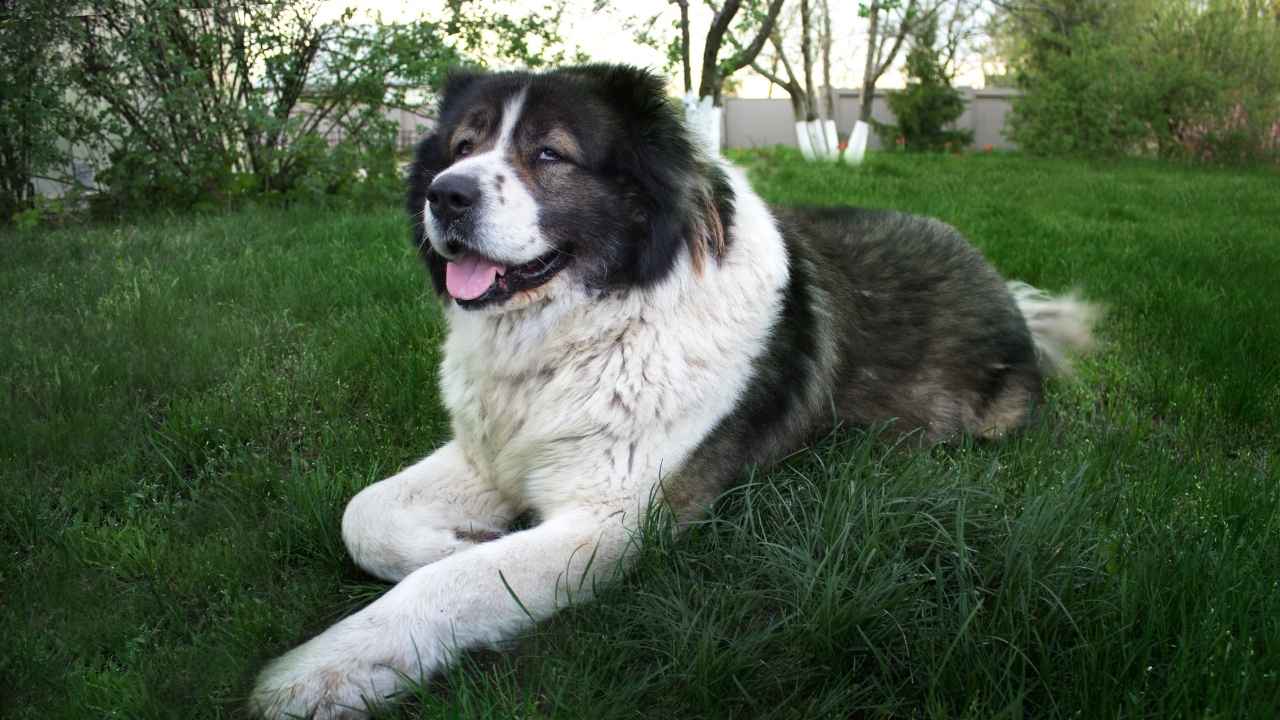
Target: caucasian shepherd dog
630,324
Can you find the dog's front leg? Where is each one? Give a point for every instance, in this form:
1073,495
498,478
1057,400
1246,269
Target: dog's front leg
463,601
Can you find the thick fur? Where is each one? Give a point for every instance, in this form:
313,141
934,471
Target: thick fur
692,331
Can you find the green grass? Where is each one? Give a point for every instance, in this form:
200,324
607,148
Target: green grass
187,404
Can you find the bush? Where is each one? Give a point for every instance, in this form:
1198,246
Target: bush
34,116
1236,135
364,172
1088,100
1182,79
195,101
193,105
929,103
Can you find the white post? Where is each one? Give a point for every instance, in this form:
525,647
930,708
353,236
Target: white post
857,149
804,140
703,119
833,140
713,128
818,139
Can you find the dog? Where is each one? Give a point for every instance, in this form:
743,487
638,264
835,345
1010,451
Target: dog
629,326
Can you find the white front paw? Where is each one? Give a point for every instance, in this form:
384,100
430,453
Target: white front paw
324,679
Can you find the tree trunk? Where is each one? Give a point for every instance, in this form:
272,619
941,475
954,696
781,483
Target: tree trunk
806,53
829,99
801,107
869,72
816,138
709,85
878,60
706,120
713,74
684,45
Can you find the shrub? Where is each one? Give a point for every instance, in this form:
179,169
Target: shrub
929,103
1188,78
194,100
195,104
1087,100
34,116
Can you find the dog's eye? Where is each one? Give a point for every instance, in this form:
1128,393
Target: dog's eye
549,155
463,149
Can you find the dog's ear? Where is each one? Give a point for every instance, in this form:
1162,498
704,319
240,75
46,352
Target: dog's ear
678,196
456,83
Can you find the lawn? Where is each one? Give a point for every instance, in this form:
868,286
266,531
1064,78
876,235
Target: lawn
188,403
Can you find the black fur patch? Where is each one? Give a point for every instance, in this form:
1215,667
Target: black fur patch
787,368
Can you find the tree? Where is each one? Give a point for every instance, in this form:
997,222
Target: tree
888,24
824,43
798,86
733,18
1032,32
962,28
35,116
716,70
929,103
730,22
815,126
686,69
197,102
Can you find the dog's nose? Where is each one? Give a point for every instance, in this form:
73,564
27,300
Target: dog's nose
452,195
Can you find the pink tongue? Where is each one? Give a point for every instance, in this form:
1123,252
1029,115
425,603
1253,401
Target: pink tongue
469,277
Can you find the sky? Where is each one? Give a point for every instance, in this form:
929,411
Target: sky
604,36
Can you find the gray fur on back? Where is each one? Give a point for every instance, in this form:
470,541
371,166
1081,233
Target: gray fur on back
888,318
929,335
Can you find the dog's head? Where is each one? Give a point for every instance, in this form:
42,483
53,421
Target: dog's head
579,178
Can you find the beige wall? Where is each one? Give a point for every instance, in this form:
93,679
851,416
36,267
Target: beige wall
410,126
754,122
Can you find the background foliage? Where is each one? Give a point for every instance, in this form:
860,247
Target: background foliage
34,117
181,105
1193,79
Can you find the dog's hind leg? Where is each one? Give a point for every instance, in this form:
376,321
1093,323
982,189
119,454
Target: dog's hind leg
428,511
1011,408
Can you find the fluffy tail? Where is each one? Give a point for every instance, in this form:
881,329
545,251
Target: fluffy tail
1060,326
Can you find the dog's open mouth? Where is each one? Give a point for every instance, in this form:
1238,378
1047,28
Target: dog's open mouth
475,281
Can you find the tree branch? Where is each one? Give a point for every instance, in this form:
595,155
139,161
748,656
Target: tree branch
748,55
904,27
711,79
685,68
799,104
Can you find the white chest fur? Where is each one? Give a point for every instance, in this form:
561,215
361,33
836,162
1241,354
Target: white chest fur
590,401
